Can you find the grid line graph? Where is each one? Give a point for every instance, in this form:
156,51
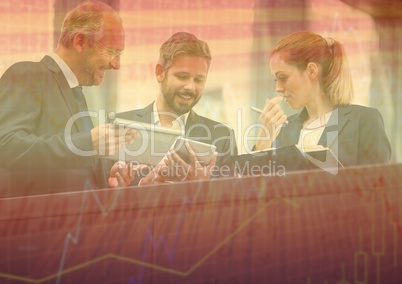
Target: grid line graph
290,198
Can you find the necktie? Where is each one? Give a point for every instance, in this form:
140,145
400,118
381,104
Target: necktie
82,106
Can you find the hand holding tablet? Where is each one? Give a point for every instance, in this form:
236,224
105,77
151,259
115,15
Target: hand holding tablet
190,160
203,151
150,145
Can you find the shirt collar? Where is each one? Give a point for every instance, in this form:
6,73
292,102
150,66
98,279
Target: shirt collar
176,123
70,77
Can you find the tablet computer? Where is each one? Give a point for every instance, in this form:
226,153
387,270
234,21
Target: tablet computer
150,146
203,151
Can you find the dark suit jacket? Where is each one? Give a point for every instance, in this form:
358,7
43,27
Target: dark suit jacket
355,133
201,129
36,104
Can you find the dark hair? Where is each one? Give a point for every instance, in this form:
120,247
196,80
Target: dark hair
183,43
301,48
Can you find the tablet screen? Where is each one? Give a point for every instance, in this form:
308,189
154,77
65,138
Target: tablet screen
150,147
202,150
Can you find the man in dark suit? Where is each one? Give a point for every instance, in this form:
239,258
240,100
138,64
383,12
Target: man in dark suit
47,139
182,73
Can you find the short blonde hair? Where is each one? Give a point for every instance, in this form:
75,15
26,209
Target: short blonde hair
88,19
183,43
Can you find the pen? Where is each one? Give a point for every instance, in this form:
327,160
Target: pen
130,169
260,111
256,109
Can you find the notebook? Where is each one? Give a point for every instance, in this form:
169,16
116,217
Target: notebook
279,161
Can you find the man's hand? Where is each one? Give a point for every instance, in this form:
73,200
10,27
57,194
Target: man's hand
178,170
156,175
122,174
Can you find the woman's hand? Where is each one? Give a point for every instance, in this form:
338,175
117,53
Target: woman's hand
271,119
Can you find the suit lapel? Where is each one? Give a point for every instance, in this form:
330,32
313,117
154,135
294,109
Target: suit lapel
336,124
293,130
290,133
145,115
194,119
65,90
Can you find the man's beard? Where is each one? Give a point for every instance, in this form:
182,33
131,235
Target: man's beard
178,109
